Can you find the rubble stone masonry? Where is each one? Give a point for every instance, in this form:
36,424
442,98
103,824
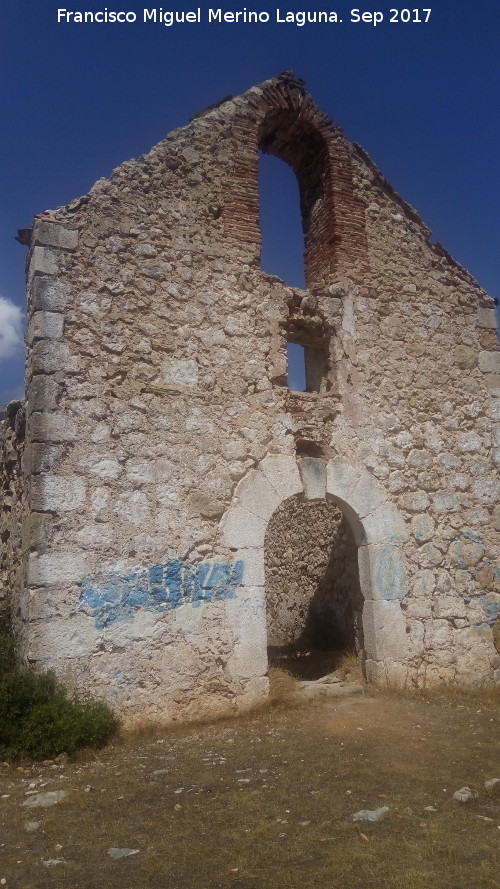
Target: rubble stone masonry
12,512
161,436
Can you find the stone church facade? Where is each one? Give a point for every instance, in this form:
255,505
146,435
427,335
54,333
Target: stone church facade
161,438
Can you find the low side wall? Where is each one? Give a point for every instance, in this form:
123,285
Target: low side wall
11,510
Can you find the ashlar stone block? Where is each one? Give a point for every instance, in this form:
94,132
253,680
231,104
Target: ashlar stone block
384,629
313,474
52,427
489,362
354,486
43,393
385,525
43,457
255,494
55,568
43,262
73,637
52,234
487,318
253,565
51,357
241,529
38,531
283,474
48,294
45,325
382,572
247,617
53,493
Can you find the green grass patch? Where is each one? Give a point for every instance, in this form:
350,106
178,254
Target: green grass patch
38,719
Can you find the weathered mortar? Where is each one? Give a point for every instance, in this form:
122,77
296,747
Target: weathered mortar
161,436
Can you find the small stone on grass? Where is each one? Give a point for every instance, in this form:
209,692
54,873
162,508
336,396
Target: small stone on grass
122,853
491,783
465,794
44,800
371,814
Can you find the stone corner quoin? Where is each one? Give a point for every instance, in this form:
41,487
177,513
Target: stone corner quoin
160,469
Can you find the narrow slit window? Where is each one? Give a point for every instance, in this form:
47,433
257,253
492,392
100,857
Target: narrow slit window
306,368
282,251
315,361
296,367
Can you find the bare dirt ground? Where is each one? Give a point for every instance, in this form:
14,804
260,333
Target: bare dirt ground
267,801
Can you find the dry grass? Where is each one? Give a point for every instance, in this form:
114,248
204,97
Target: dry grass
267,801
487,693
281,684
284,677
350,666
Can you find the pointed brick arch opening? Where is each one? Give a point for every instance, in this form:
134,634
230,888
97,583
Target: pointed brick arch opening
301,145
379,532
280,118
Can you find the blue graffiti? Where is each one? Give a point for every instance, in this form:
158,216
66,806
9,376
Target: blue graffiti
492,608
462,559
390,574
158,588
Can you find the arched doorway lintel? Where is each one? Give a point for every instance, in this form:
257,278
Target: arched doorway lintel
376,523
374,519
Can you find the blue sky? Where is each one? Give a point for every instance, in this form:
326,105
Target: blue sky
77,100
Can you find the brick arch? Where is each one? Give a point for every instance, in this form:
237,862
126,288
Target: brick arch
280,118
380,534
301,144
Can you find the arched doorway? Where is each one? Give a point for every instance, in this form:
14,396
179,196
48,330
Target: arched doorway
314,604
379,533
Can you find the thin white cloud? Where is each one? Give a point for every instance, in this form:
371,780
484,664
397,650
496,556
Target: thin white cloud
11,338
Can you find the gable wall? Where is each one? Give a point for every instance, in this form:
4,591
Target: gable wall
156,383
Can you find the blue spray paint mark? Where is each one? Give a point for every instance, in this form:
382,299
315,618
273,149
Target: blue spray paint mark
467,536
492,608
158,588
390,574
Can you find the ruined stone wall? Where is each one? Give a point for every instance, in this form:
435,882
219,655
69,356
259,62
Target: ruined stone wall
156,387
12,508
313,598
428,411
149,397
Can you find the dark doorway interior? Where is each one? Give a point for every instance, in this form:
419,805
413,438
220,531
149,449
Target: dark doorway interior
313,596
